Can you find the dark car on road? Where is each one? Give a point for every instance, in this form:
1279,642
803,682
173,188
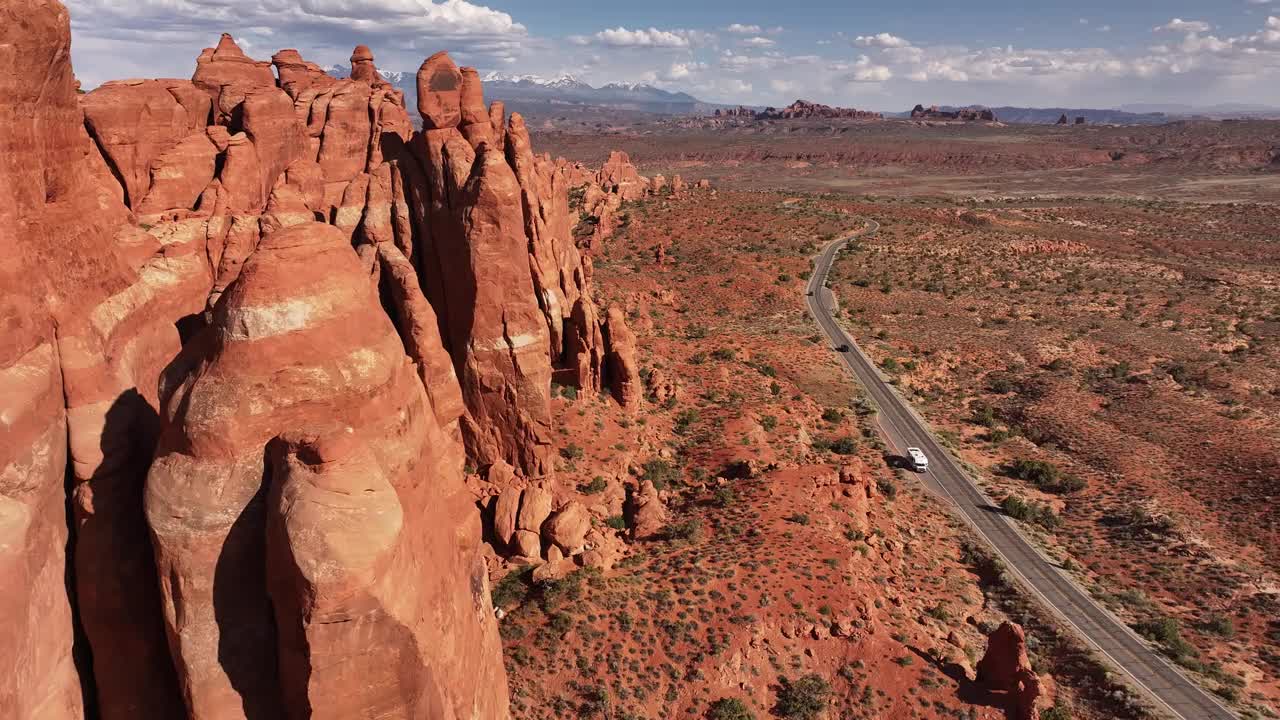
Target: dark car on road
842,347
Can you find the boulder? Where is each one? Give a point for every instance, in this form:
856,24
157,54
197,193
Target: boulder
567,529
506,507
297,75
535,508
527,544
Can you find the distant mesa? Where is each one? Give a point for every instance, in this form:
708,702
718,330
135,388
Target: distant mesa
799,110
968,114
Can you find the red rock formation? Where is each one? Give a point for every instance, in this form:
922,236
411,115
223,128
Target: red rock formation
1005,668
283,332
298,75
439,92
920,112
803,109
134,122
619,176
363,68
226,68
624,373
500,341
475,124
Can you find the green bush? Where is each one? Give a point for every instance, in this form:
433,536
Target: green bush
617,522
1019,509
1168,634
571,452
725,354
840,446
832,415
661,473
724,497
803,699
1044,475
768,422
597,484
729,709
513,587
689,531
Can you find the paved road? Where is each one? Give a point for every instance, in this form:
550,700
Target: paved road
1165,685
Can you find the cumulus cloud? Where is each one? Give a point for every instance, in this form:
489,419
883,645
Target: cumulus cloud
1180,25
757,41
741,29
653,37
866,71
883,40
162,37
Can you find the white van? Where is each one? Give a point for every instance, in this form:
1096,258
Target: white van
918,461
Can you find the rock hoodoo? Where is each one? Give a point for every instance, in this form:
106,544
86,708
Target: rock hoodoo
1005,669
229,331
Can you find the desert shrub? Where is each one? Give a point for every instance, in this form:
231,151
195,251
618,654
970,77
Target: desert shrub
662,473
840,446
1220,625
617,522
729,709
798,518
1019,509
688,531
768,422
1057,712
724,497
1044,475
684,419
725,354
803,699
597,484
1168,634
887,487
571,452
513,587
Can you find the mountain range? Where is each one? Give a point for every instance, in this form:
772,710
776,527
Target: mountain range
525,93
544,96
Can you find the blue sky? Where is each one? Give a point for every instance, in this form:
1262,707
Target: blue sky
873,54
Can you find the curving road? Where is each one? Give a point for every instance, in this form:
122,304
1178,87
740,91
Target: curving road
1165,685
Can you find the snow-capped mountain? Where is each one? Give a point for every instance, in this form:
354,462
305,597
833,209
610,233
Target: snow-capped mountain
527,93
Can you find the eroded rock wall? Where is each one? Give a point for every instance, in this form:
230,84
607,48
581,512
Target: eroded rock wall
231,345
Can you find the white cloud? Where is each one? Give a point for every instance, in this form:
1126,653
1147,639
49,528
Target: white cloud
1104,28
757,41
866,71
883,40
1180,25
115,38
741,29
653,37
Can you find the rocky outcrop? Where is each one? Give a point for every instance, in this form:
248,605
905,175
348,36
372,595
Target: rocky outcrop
621,178
1005,669
225,69
969,114
624,372
798,110
278,247
804,110
257,373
